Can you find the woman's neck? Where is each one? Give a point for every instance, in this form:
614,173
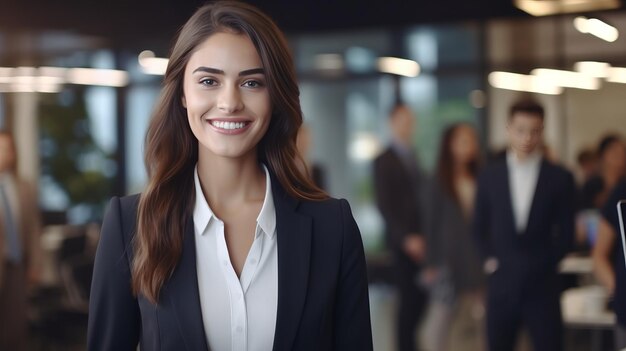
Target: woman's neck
230,182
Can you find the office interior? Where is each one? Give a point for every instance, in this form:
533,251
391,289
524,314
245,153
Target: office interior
78,83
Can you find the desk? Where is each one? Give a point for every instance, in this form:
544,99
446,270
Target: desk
576,265
584,308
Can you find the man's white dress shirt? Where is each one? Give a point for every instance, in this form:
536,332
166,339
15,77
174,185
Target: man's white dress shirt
239,313
523,176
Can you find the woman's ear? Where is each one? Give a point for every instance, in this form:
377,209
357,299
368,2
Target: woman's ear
183,101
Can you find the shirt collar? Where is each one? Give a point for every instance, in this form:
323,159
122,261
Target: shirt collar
266,221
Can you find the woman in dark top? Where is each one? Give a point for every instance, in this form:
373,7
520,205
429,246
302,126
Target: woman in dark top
612,155
454,265
608,260
230,247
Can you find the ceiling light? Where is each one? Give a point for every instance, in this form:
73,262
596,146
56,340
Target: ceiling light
523,82
567,79
328,62
94,76
617,75
150,64
553,7
592,68
401,67
597,28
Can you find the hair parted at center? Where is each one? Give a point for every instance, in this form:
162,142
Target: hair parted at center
171,149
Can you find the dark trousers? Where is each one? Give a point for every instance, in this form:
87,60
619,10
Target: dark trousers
411,304
533,304
13,304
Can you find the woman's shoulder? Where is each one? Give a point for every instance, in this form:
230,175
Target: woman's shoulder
129,202
124,211
328,206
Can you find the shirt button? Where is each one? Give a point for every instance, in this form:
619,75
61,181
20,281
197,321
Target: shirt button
253,261
225,263
239,329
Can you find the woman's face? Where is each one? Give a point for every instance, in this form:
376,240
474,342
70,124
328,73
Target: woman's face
226,96
615,155
464,145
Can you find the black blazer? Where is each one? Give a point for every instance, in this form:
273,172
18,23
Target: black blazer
323,299
397,198
550,229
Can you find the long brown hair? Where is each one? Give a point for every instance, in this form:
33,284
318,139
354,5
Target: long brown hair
445,163
12,167
171,150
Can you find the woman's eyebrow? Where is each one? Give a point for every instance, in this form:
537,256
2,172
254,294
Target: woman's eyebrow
221,72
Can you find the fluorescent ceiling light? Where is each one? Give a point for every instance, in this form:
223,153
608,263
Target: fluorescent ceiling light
328,62
617,75
596,28
401,67
523,82
592,68
94,76
150,64
51,79
552,7
567,79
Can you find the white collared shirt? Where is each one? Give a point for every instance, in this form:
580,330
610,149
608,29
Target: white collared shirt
523,176
239,314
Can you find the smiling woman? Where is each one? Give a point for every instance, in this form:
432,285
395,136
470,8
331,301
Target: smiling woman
230,246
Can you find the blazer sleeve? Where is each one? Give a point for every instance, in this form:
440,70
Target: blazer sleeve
353,330
113,310
567,209
481,222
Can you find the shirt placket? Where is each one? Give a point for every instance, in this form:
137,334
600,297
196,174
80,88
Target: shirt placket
238,318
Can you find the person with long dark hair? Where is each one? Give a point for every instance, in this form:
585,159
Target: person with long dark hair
20,248
230,246
454,269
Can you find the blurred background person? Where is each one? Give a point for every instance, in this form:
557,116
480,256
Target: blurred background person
587,162
524,224
608,261
398,186
19,247
313,169
454,268
611,155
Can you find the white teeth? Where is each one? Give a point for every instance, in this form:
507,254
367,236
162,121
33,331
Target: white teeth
228,125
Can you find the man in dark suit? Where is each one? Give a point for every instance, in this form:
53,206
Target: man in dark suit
397,181
524,225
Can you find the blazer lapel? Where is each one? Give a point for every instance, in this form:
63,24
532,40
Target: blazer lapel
507,197
182,291
537,194
293,231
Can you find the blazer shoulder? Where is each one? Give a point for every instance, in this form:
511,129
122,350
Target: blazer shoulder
384,156
493,169
326,208
559,174
127,216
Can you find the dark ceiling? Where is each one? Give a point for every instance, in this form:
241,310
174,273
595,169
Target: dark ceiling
137,23
127,20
